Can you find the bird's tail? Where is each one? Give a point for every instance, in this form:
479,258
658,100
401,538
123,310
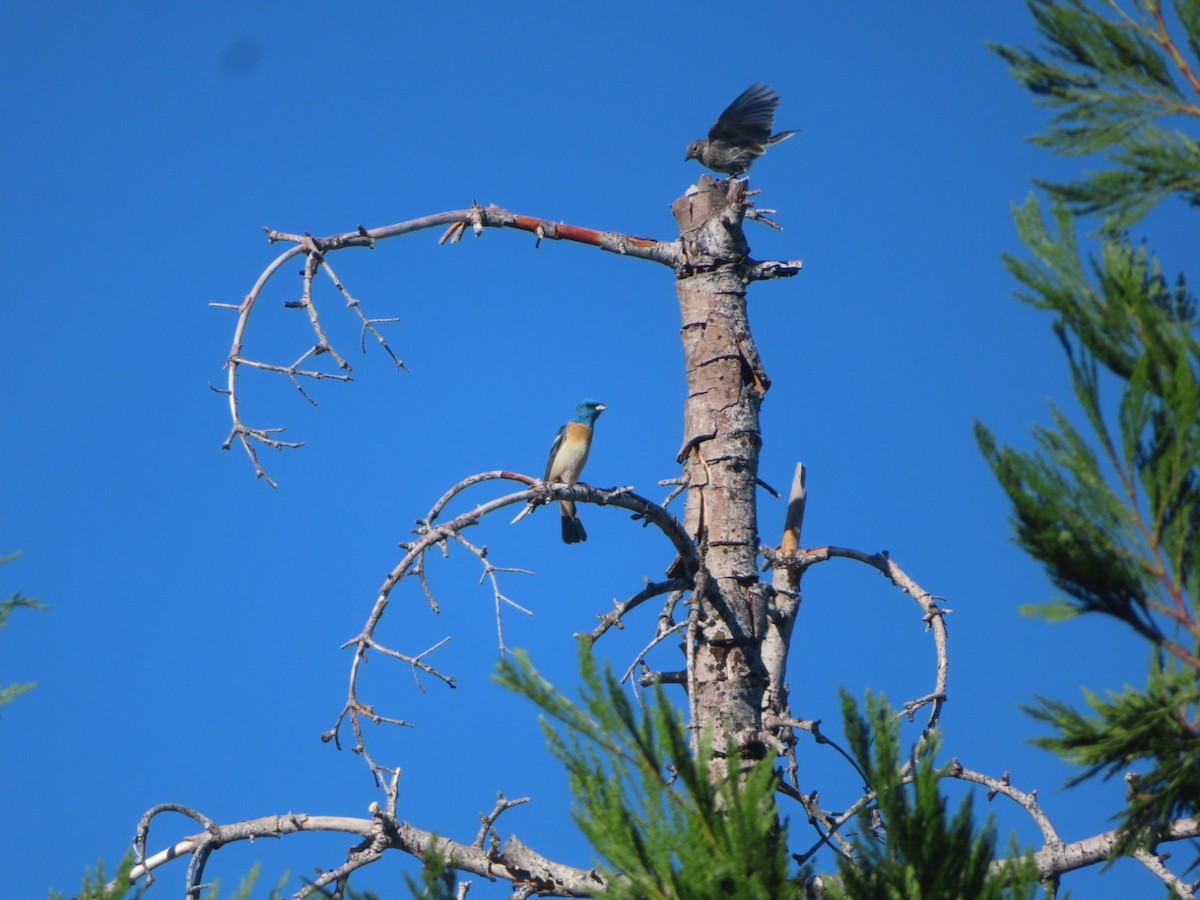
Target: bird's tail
782,136
572,528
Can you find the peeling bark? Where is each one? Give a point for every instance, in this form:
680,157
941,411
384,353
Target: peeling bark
726,384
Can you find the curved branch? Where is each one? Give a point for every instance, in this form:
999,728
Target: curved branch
616,617
431,533
513,862
933,615
789,564
316,249
1056,858
1156,865
1003,785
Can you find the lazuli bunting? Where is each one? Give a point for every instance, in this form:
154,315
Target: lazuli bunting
741,134
567,456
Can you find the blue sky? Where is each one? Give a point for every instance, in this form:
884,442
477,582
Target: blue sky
191,650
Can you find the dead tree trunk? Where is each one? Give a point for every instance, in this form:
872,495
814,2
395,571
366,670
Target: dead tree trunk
727,679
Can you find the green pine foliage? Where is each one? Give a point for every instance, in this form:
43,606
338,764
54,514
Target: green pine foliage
661,828
1111,505
1114,73
908,845
1127,728
1113,510
10,692
98,886
437,882
245,887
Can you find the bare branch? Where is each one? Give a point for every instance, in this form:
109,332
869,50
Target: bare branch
933,614
315,260
828,825
489,821
431,533
1003,785
513,862
654,642
763,271
498,598
652,589
1055,860
813,727
1157,865
417,662
679,485
316,251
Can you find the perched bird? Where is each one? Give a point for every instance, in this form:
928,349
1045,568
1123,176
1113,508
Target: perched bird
742,133
567,456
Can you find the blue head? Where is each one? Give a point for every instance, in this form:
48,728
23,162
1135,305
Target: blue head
587,412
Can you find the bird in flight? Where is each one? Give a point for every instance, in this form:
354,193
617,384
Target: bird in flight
741,134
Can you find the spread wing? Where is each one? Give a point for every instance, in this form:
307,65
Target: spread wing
748,119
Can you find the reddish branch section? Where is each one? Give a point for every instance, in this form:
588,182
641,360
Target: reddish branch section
557,231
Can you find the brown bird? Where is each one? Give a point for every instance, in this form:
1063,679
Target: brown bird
742,133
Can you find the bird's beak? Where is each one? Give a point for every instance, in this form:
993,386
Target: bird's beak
600,407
